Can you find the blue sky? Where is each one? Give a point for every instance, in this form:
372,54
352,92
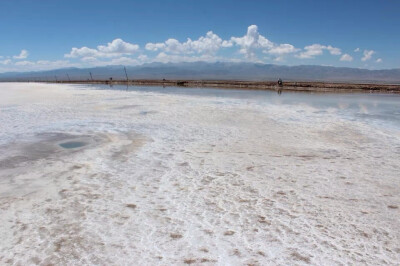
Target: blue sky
37,35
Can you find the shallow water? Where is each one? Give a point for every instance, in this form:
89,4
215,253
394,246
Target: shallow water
72,144
372,108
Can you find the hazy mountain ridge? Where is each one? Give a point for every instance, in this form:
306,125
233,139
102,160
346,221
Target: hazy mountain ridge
219,70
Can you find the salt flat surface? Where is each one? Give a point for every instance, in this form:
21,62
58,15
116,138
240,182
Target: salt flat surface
204,177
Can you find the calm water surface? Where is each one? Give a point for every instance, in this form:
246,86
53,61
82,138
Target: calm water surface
378,109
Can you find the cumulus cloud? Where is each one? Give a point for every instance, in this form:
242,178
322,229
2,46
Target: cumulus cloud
156,46
279,59
205,48
333,50
116,48
24,63
5,62
143,58
346,57
367,55
250,42
357,50
22,55
311,51
208,44
379,60
83,52
282,49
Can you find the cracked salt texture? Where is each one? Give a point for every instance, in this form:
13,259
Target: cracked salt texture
205,177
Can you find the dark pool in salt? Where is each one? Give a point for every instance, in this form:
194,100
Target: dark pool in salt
72,144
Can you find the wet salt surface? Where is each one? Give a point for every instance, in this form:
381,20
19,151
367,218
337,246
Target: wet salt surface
205,177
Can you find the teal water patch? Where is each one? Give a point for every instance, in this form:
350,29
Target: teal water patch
72,144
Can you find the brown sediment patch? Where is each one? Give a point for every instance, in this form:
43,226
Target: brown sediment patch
189,261
130,205
263,220
229,233
295,255
393,207
175,236
208,232
236,252
250,168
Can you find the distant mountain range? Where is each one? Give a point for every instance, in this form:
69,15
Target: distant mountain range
214,71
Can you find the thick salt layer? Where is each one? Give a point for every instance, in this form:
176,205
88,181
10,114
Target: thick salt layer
173,178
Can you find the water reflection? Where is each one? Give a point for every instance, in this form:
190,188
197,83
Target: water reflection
363,106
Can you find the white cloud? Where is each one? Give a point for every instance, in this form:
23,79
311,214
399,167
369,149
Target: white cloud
124,61
115,48
89,59
311,51
208,44
205,48
24,54
250,42
24,63
279,59
5,62
83,52
211,43
346,57
143,58
155,46
379,60
118,47
367,55
357,50
334,50
282,49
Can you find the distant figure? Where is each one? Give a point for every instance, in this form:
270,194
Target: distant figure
280,83
110,79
